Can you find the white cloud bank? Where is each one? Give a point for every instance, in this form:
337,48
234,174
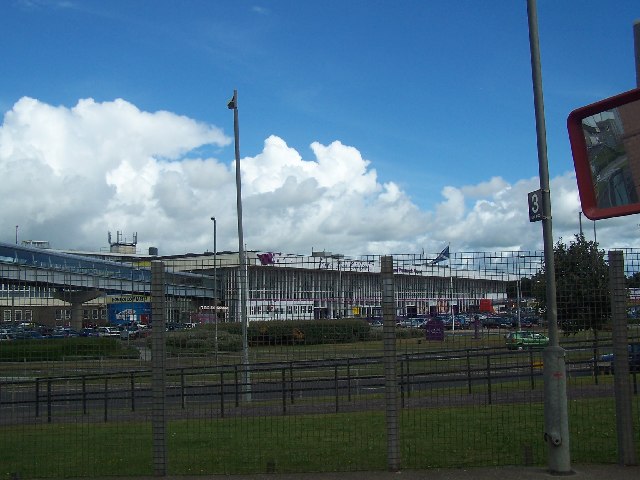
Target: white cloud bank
70,175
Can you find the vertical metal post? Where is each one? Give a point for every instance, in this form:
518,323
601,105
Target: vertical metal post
158,369
468,373
284,391
84,395
336,387
37,395
489,394
133,392
182,388
49,400
106,399
622,381
555,381
390,364
242,284
222,394
215,285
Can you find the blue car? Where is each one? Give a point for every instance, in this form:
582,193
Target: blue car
605,363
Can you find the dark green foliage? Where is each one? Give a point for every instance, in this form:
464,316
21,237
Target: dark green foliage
60,348
582,286
203,340
633,281
303,332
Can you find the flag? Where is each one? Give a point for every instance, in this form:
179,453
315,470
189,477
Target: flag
443,255
233,103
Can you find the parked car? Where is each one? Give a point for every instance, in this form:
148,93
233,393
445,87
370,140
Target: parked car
529,322
526,339
89,332
108,332
499,321
605,363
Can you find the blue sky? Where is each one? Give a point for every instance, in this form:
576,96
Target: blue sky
435,98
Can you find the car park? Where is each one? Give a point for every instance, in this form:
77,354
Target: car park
526,340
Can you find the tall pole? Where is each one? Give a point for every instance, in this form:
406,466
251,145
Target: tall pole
580,222
556,421
215,286
392,402
242,271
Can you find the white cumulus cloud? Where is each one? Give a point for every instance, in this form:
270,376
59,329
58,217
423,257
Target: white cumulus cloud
70,175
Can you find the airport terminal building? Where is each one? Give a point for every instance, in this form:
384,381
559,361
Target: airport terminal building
279,286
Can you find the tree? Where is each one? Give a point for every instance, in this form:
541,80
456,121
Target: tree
633,281
582,286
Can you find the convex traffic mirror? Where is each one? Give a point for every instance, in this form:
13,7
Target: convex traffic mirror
605,142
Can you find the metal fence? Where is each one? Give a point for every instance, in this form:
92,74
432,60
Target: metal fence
320,382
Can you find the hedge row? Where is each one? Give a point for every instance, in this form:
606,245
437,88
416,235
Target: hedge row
202,340
60,348
302,332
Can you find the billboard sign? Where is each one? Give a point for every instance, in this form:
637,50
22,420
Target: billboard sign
129,309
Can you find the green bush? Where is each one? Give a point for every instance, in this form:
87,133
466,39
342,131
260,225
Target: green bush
59,348
202,339
302,332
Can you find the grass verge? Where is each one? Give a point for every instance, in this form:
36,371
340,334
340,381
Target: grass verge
436,437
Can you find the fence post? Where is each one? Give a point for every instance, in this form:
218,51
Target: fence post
390,363
284,391
49,400
291,382
408,376
531,370
182,388
402,404
621,380
37,385
348,380
222,394
133,393
468,372
158,369
235,373
106,399
336,386
84,395
489,378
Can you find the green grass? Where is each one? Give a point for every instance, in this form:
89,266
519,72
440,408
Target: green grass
436,437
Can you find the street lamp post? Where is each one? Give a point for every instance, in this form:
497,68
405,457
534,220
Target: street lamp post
242,273
215,286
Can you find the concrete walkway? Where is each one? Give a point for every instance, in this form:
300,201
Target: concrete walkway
580,472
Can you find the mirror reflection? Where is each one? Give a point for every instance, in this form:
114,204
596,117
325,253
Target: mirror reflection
612,138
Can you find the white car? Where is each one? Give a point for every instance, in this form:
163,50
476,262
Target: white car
108,332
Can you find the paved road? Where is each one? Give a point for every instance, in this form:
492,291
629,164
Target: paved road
580,472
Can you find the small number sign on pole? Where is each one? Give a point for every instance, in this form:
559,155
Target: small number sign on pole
535,206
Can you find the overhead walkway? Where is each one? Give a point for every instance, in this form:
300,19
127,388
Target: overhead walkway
80,278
